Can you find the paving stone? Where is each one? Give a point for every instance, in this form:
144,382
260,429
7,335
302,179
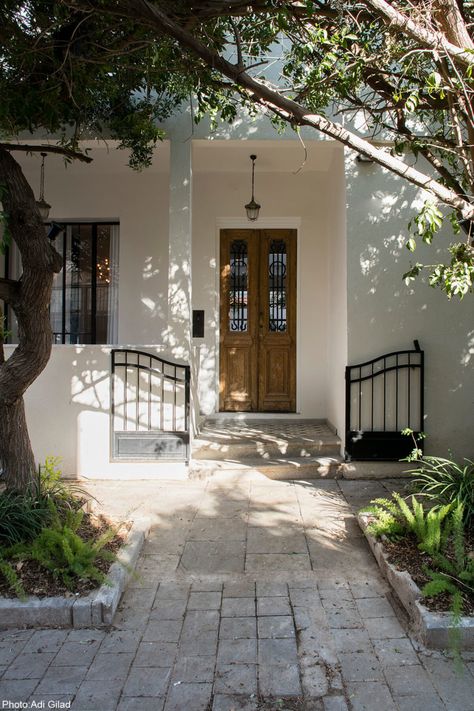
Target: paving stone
172,591
76,653
409,681
18,690
204,601
210,557
141,703
279,680
9,636
46,640
302,617
168,610
237,651
199,622
130,620
258,562
272,589
29,666
263,540
61,680
120,641
314,678
360,666
384,628
238,628
374,587
350,640
341,618
420,703
204,645
395,652
304,598
96,695
273,652
10,649
238,607
455,688
194,670
139,598
276,627
273,606
189,696
233,702
218,529
207,586
236,679
110,666
375,607
163,631
143,682
241,589
370,696
335,703
155,654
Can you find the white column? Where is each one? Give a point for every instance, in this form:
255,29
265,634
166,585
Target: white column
178,336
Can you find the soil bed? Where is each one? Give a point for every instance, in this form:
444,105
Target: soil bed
40,582
405,555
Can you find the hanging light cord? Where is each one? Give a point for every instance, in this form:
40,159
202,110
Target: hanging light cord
253,174
41,195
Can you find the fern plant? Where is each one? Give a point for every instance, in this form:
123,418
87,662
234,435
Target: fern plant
8,572
62,551
395,518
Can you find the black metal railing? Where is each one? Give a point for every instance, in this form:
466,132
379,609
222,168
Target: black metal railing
384,396
149,407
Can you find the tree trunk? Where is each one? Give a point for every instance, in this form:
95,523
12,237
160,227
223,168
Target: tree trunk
16,456
29,298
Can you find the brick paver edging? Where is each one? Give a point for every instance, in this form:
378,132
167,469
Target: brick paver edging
94,610
434,629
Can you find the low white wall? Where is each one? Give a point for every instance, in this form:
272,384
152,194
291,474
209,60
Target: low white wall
386,315
68,415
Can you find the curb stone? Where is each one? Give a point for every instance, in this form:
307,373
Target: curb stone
433,629
94,610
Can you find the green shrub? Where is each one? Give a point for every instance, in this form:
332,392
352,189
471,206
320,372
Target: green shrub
64,553
51,486
22,516
9,573
446,482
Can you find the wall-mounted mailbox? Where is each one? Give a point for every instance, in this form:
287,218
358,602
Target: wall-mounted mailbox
198,323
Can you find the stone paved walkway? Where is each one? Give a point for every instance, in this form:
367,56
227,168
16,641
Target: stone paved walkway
249,592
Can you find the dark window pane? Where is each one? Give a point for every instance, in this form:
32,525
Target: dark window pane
277,286
238,320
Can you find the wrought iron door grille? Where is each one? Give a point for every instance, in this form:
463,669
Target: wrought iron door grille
149,407
384,396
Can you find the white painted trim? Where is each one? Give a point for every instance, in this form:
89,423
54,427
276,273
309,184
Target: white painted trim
270,223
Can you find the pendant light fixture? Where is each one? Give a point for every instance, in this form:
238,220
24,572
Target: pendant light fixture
41,204
252,207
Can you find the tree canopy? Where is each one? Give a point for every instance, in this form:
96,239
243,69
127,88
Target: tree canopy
81,68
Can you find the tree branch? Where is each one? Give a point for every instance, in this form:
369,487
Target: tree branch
294,113
28,148
426,38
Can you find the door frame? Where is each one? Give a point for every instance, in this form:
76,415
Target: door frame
270,223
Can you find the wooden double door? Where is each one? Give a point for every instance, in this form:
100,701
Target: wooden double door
258,320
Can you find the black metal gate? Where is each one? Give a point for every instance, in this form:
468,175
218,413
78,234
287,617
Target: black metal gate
384,396
149,407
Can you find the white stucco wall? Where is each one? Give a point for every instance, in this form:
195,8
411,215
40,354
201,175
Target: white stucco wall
384,314
337,294
302,199
109,189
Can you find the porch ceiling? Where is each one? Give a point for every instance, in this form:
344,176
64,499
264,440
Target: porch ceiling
272,156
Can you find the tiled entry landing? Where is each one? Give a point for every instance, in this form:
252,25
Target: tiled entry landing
278,448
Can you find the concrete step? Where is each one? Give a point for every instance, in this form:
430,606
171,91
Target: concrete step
231,439
274,468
